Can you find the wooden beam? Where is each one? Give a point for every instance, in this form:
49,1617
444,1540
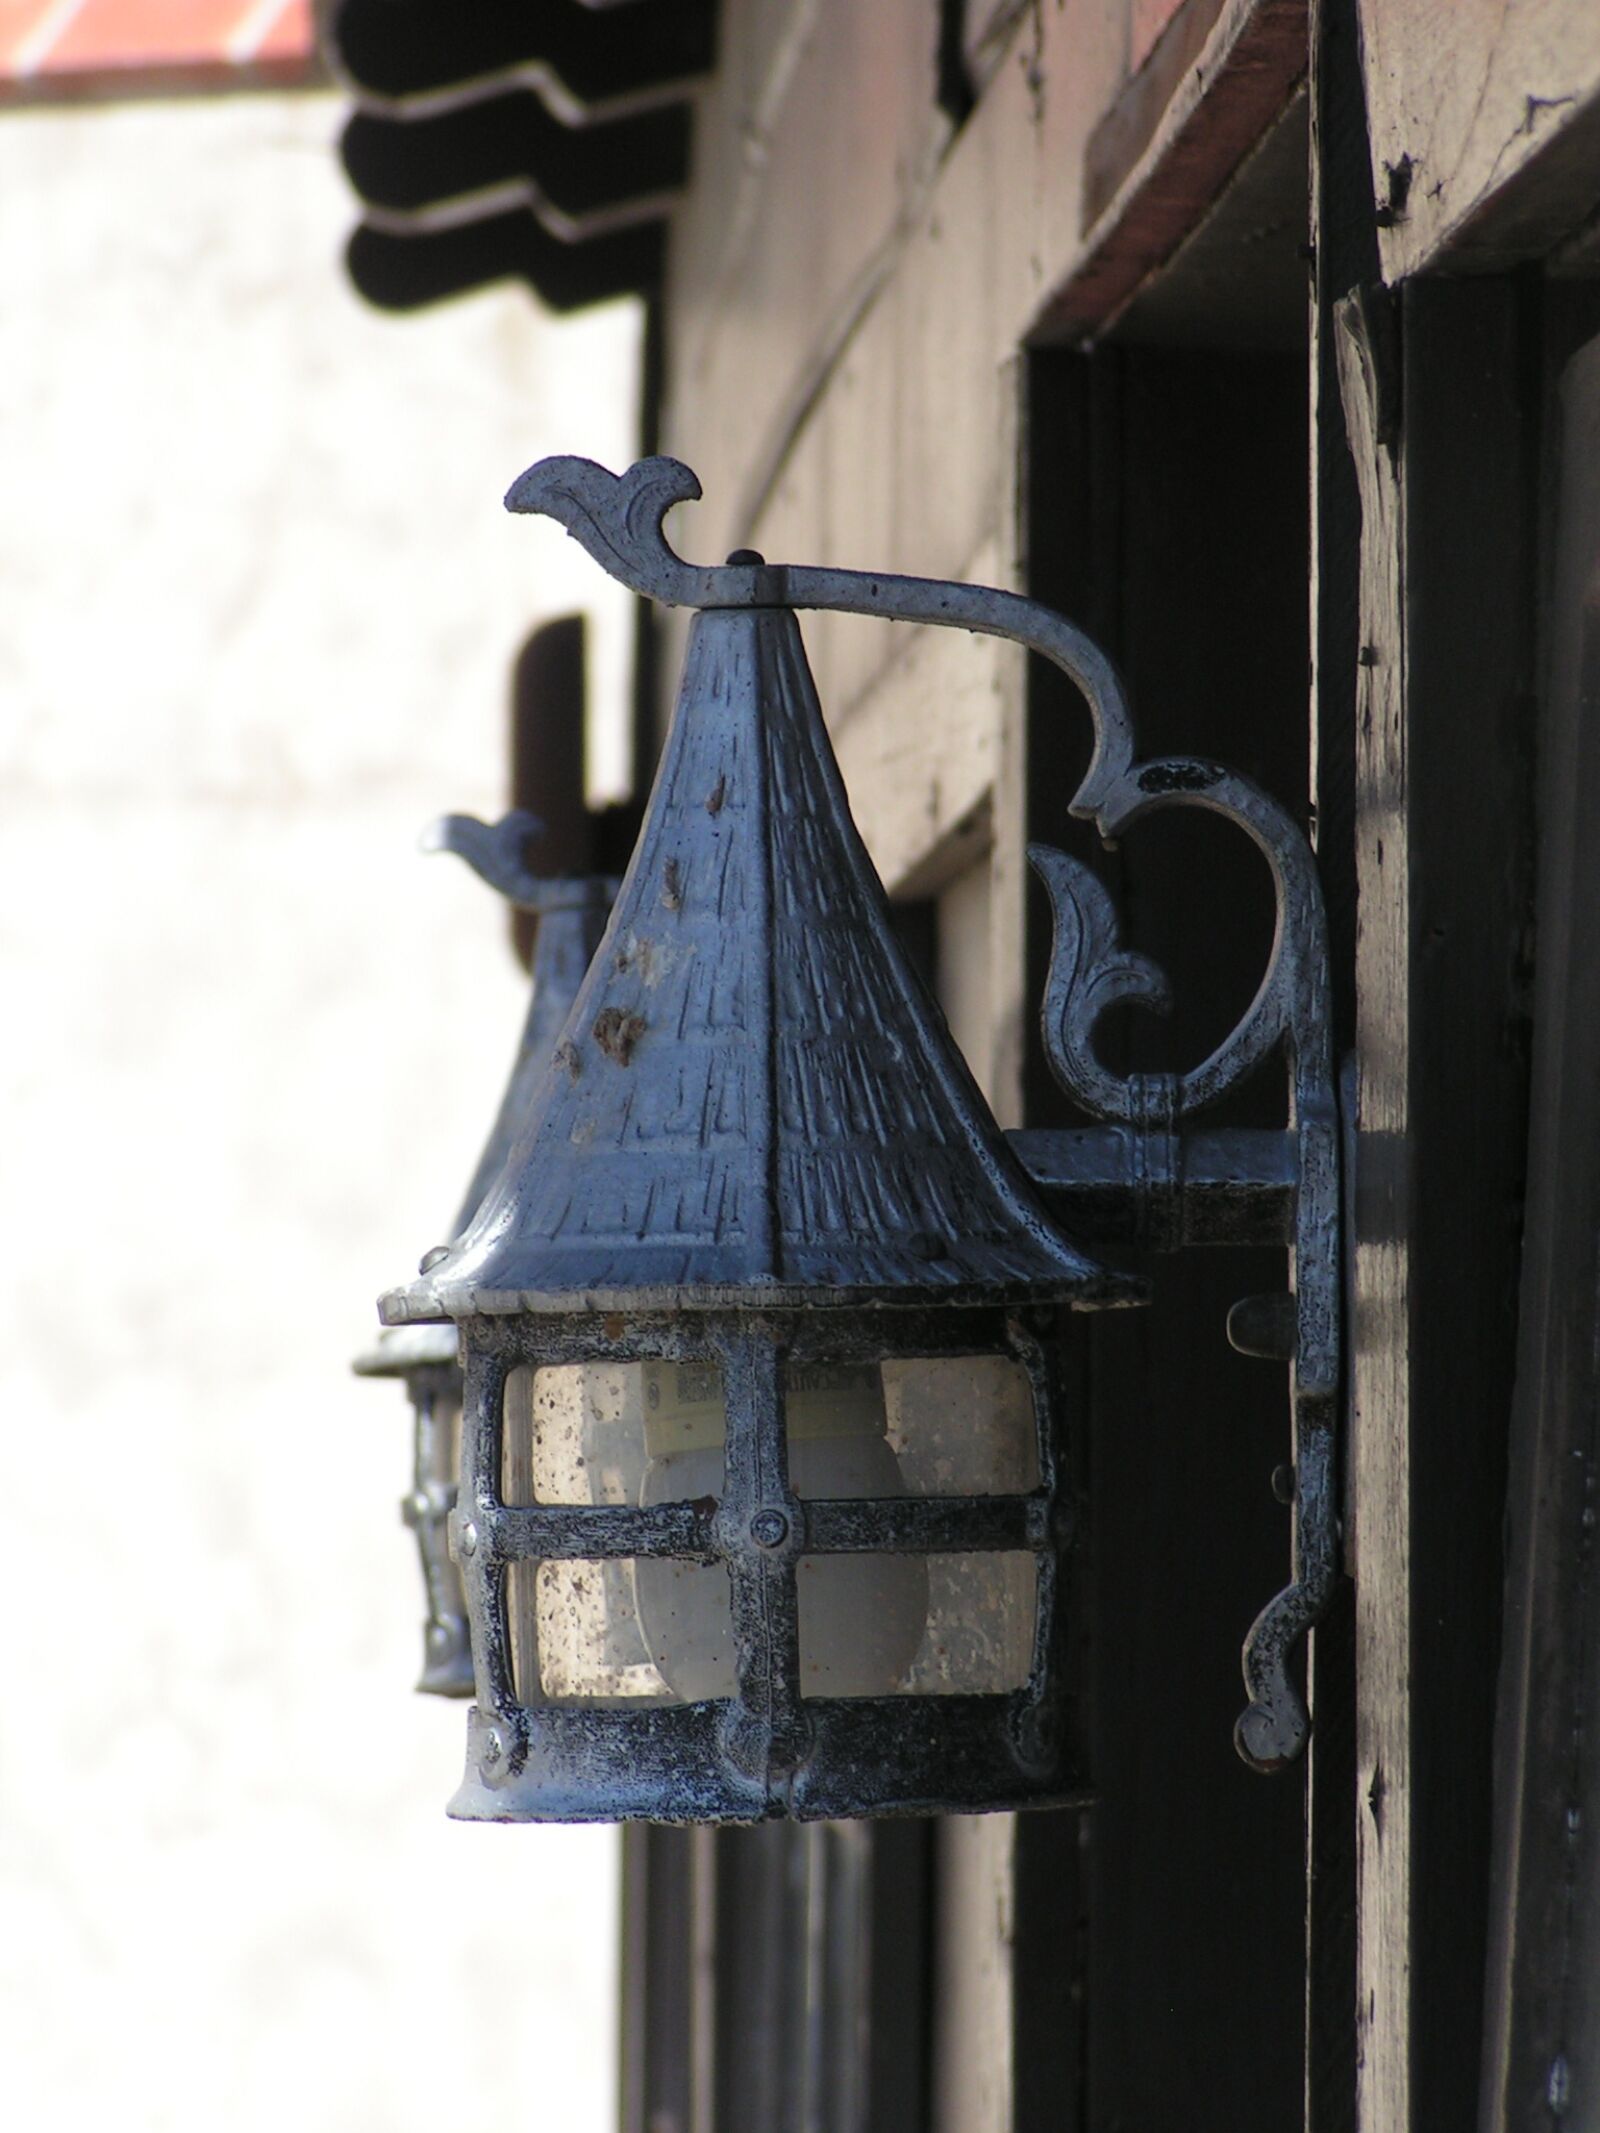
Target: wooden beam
1485,124
1444,434
1169,144
1345,255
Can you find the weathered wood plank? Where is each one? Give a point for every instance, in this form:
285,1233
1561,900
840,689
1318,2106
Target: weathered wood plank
972,2029
701,1954
819,126
1212,85
1147,19
1345,256
1485,116
867,435
656,1978
1013,1004
1378,1494
919,755
853,158
1444,437
987,29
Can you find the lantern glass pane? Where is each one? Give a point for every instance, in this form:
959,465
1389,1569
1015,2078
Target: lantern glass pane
686,1615
591,1433
574,1433
600,1433
871,1624
910,1625
576,1635
863,1620
961,1425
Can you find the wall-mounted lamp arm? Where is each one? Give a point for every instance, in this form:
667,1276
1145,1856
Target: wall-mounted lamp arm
617,518
1119,1185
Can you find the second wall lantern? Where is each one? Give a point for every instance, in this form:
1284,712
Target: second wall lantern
767,1500
569,915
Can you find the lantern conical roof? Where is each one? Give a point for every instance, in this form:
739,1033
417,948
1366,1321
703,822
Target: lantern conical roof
571,915
754,1099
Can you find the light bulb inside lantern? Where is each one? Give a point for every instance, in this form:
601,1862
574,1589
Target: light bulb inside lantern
862,1617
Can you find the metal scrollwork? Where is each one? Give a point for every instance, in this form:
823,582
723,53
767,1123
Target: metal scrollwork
1090,972
618,519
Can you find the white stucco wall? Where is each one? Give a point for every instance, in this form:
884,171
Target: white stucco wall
258,602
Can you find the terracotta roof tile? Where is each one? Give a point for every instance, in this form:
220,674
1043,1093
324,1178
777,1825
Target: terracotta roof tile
63,43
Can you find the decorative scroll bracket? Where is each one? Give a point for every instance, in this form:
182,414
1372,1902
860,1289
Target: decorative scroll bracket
1146,1174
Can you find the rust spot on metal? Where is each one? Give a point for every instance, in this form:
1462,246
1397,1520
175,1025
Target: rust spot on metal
716,796
641,954
617,1033
672,886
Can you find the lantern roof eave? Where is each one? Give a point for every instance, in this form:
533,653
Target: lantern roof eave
405,1345
421,1304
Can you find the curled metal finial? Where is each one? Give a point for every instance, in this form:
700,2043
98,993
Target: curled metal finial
617,518
497,852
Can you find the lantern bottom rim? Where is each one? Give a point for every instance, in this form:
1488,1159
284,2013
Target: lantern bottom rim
868,1758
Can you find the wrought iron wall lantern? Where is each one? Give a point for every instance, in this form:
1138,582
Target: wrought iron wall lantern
765,1504
571,915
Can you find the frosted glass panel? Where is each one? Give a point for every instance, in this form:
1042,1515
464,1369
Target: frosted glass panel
654,1432
961,1425
574,1433
973,1617
576,1637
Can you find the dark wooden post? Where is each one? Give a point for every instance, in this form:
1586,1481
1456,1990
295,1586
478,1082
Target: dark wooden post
1542,2047
1444,432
